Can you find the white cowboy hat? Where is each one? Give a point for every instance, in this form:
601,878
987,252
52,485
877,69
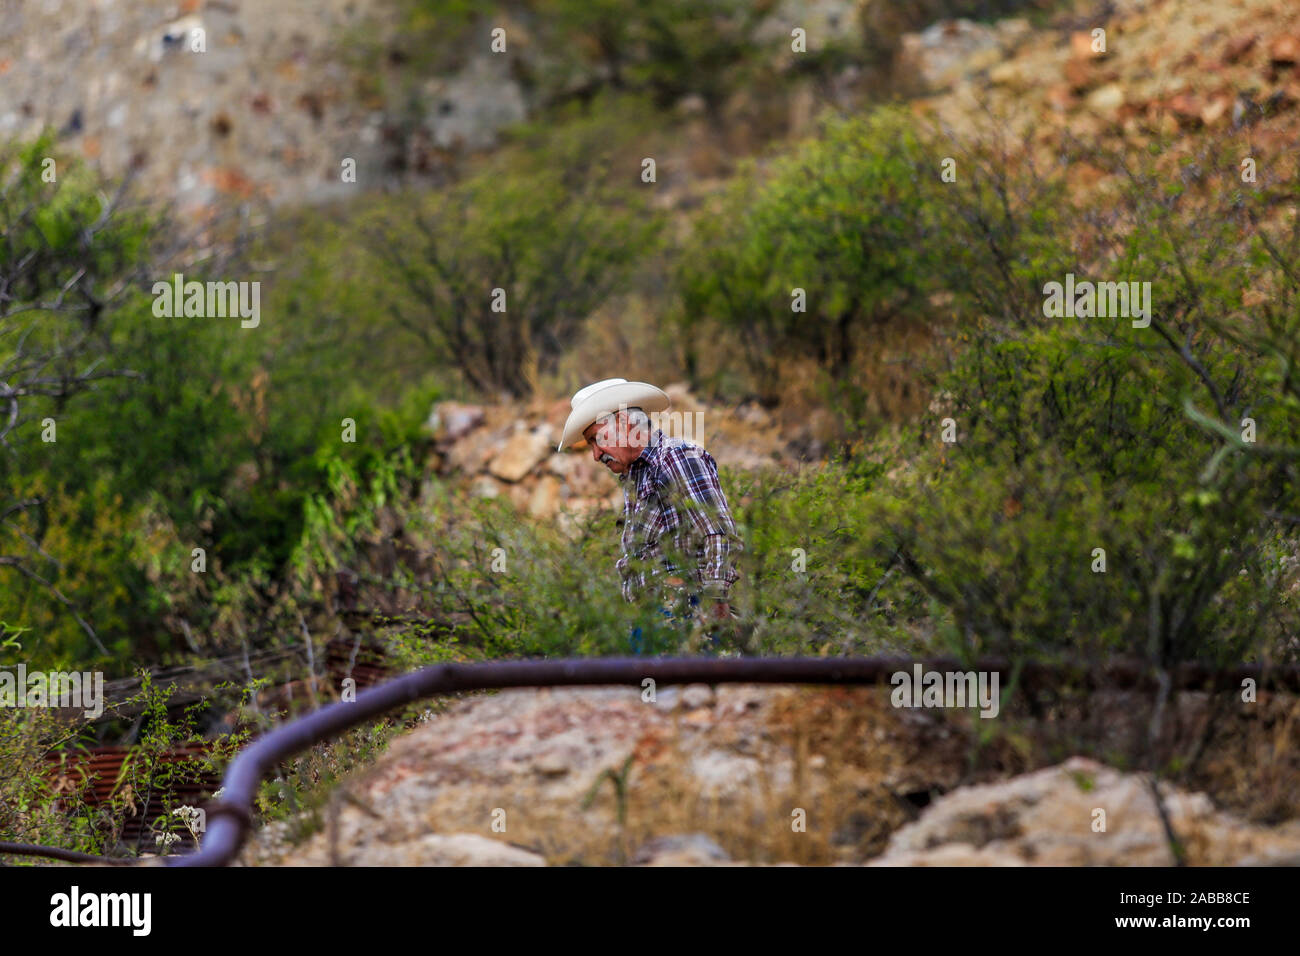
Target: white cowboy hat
602,398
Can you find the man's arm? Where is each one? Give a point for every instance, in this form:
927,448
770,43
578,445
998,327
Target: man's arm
705,504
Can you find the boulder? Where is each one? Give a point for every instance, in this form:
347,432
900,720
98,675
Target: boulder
690,849
1239,46
472,453
1106,100
580,476
1081,46
451,421
441,849
1050,818
545,499
1284,50
523,452
485,486
472,107
944,53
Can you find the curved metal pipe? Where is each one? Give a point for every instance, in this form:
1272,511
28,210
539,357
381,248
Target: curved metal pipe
69,856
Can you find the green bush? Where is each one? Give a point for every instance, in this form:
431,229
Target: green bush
847,219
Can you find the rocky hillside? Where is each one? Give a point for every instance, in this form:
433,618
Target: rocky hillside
509,450
1125,72
698,776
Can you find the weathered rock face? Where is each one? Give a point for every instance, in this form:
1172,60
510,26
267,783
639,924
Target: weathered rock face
940,55
219,102
451,421
508,450
752,775
699,777
1144,69
523,452
1053,817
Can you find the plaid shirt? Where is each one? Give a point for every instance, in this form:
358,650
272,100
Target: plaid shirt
674,507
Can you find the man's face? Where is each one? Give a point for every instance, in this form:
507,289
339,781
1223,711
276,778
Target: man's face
613,443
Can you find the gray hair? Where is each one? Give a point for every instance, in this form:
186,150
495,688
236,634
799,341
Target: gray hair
637,420
636,416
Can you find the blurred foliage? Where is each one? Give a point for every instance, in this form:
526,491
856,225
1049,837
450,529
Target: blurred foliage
46,792
844,221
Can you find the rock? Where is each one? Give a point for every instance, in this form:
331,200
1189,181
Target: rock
520,494
559,464
1186,109
545,500
1106,100
581,476
1060,98
451,421
550,765
690,849
473,106
692,104
1084,75
1239,46
695,696
722,776
1012,30
485,487
1284,50
1010,73
1081,46
444,849
1216,110
754,414
523,452
1046,818
557,413
471,453
945,52
825,21
679,393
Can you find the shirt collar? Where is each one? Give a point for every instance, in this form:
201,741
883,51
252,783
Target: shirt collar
648,454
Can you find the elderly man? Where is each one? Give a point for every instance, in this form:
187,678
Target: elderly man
679,540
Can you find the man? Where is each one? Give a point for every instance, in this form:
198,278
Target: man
679,540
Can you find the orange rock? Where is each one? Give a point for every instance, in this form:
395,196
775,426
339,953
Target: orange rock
1284,50
1079,75
1081,46
545,500
523,452
230,180
1216,110
1239,46
1084,75
1186,109
1060,98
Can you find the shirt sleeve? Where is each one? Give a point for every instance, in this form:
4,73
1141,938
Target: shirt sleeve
704,504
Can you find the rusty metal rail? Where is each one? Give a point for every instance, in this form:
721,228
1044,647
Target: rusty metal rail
68,856
231,818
